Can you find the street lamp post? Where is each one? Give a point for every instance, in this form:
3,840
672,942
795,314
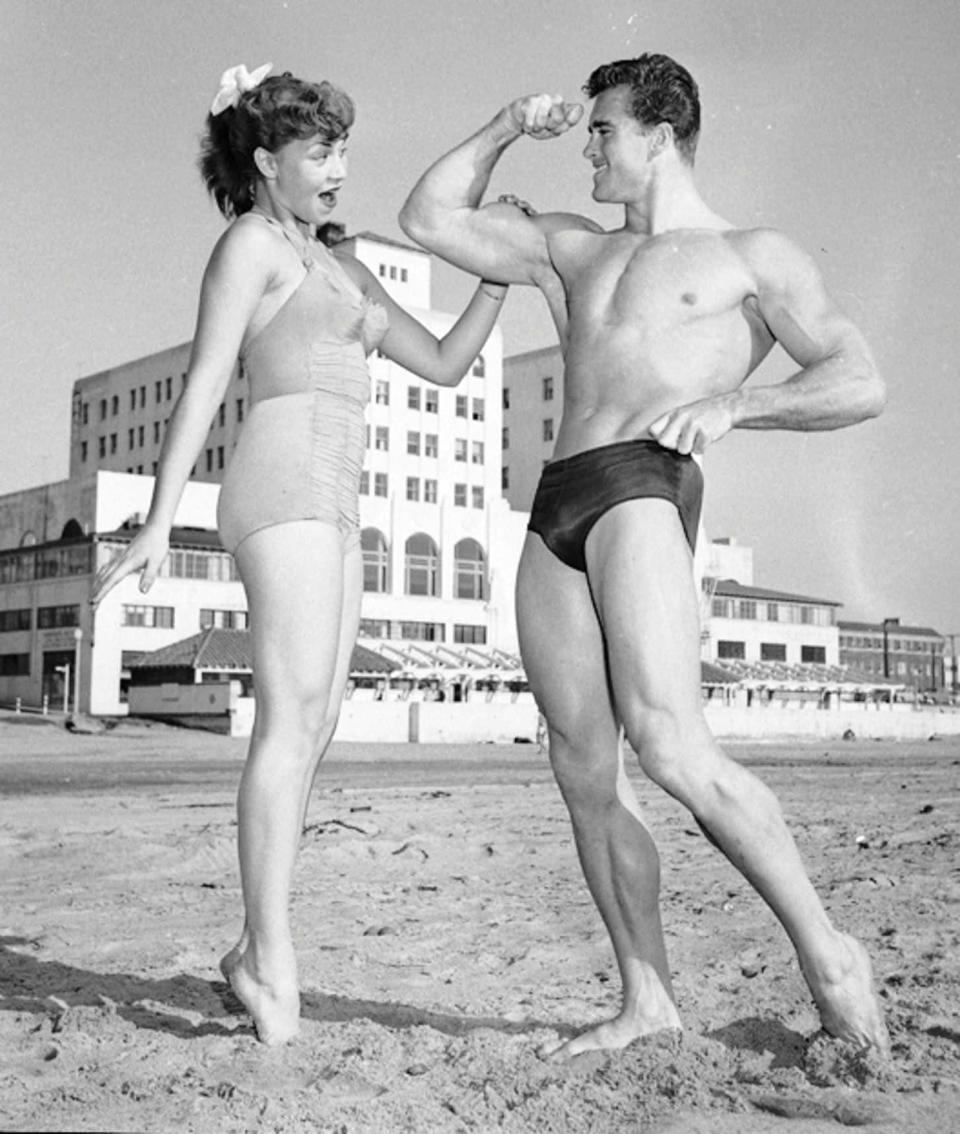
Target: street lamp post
887,623
953,660
77,640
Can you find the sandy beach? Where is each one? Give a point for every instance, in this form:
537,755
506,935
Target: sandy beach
444,933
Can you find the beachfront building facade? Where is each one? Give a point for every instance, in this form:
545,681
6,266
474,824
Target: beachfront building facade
755,624
440,544
912,655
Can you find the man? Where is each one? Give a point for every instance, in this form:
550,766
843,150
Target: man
662,321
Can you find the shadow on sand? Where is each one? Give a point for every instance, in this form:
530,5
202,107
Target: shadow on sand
171,1004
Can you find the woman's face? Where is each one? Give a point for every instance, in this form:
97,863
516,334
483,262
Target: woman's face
309,173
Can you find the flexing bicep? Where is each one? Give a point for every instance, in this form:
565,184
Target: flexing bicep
499,241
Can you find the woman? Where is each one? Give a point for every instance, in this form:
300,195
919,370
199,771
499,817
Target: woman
301,320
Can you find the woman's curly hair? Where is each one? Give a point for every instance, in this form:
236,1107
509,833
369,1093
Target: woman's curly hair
280,109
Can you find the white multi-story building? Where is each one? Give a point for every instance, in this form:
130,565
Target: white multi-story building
440,543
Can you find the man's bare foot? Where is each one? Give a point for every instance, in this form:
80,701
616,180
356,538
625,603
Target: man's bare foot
848,1004
614,1035
275,1010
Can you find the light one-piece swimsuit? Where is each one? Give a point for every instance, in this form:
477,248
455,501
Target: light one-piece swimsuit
301,448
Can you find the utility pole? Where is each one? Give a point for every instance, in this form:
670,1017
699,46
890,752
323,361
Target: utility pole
887,623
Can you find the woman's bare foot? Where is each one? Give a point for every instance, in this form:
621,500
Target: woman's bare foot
615,1034
848,1004
230,959
273,1006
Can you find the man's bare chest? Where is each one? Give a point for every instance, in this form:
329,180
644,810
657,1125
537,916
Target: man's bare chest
670,279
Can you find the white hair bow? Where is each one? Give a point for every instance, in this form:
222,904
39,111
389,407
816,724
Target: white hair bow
237,81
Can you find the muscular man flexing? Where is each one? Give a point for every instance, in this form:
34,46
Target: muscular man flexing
662,320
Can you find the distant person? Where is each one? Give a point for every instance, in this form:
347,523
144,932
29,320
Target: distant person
301,320
662,320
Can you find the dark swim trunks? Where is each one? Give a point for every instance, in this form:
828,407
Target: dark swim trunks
576,491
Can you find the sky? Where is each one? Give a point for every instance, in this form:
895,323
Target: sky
832,120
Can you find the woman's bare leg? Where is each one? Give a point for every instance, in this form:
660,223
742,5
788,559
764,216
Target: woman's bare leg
294,578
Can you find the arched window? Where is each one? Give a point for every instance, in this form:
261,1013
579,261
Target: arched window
28,539
376,561
421,566
72,530
469,570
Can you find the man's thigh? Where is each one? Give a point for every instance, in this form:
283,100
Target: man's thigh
641,576
561,643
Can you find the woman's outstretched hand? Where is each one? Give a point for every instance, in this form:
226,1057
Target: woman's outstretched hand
145,553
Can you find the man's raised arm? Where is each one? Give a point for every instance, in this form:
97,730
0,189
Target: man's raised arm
443,212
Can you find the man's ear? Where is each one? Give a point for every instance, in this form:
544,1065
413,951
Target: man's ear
661,139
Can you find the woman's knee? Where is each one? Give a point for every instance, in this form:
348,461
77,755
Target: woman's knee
585,771
303,714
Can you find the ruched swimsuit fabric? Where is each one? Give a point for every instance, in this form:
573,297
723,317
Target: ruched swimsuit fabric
301,448
574,492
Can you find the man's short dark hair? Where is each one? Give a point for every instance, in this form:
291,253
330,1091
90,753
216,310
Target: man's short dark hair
661,91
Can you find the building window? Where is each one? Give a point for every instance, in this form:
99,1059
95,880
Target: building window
364,483
459,448
732,650
430,491
413,488
374,628
421,566
748,609
13,620
431,401
156,433
209,459
383,393
83,450
383,271
376,561
380,484
381,438
14,665
461,405
114,405
413,397
155,617
403,275
220,457
140,436
57,617
239,409
479,367
548,429
393,272
476,452
773,612
102,446
430,445
470,635
460,495
103,409
477,494
478,409
413,443
143,394
222,415
158,392
505,437
813,655
423,631
547,383
469,570
217,566
224,619
505,478
773,651
505,397
130,437
133,399
169,386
